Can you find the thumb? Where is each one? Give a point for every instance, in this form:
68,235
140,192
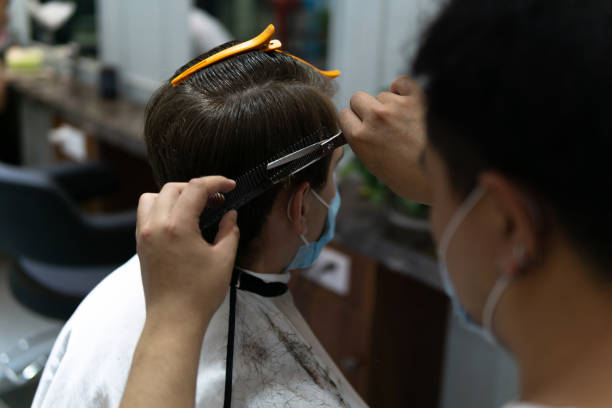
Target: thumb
228,236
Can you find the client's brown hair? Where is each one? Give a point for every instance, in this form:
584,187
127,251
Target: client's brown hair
233,115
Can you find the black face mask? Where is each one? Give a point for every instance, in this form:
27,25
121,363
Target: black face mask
243,281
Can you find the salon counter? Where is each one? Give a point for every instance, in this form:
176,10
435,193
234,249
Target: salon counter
44,96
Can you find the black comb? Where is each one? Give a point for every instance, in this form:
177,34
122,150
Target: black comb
263,177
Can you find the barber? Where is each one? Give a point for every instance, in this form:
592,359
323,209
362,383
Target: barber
516,166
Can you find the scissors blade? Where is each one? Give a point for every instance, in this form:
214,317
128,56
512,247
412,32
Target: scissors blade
327,144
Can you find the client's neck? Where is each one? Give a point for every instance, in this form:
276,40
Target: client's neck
264,259
275,247
260,267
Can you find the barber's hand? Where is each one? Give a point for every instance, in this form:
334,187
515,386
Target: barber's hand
387,133
184,277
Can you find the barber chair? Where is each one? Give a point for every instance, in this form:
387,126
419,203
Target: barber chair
61,253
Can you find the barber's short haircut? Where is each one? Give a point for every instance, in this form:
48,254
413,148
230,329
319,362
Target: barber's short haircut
524,87
233,115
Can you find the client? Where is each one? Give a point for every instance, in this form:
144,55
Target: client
226,112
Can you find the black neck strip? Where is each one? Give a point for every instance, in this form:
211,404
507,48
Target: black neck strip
255,285
248,283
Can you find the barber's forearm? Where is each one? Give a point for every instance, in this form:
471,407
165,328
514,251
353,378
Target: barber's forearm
165,364
185,279
406,179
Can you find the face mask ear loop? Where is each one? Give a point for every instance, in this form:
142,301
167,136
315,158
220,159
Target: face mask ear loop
467,206
488,313
321,200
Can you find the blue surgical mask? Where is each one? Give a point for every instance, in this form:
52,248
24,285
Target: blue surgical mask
486,330
310,251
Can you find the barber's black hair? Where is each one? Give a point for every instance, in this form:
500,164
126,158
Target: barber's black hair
232,116
524,87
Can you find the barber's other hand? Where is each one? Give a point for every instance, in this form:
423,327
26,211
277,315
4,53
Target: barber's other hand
387,133
184,277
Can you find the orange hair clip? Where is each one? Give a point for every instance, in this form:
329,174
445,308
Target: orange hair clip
261,42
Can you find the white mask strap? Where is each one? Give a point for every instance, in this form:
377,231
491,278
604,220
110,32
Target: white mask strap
464,209
320,199
488,313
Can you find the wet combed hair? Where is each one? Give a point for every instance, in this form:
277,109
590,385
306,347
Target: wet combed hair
233,115
524,87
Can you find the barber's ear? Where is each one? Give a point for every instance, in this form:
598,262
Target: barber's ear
520,223
298,208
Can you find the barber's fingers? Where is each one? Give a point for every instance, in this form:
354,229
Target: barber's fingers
363,104
166,199
389,98
228,235
145,206
194,196
350,123
404,85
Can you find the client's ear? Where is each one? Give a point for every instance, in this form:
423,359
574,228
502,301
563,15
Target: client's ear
298,209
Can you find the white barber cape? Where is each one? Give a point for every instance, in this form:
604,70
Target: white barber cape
277,359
